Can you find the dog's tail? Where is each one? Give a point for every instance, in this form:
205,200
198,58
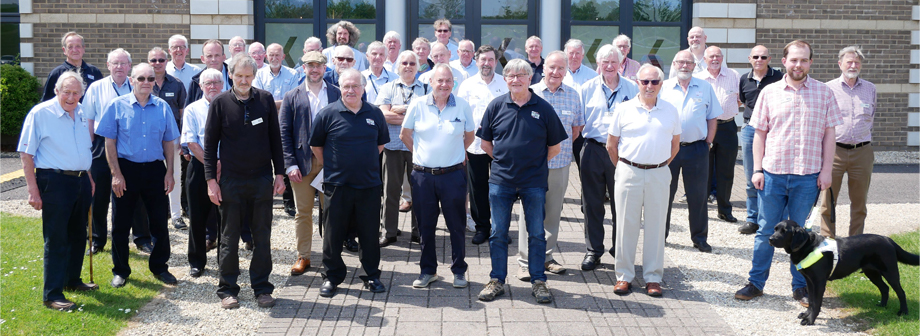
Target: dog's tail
906,257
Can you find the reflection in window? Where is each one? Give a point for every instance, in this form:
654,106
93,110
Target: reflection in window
509,38
595,10
504,9
368,33
457,32
656,45
437,9
351,9
657,10
291,38
289,9
594,37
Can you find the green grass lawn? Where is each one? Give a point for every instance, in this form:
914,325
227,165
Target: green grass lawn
861,297
103,312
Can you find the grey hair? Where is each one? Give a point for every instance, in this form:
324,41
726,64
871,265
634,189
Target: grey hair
574,43
339,48
139,67
312,39
851,50
115,52
211,74
69,74
607,50
465,41
376,44
69,34
352,72
442,66
419,41
622,37
407,53
519,65
391,35
242,60
560,53
157,49
177,37
649,65
534,38
255,44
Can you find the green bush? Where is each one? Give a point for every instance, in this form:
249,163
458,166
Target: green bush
19,92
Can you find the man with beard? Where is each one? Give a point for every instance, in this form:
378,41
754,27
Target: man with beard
696,38
344,33
466,63
310,44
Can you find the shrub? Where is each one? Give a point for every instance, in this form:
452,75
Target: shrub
19,92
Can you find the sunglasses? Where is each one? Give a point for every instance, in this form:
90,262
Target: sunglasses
408,63
443,30
649,81
345,59
758,57
145,79
157,60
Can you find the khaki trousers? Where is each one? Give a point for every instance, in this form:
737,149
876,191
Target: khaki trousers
857,164
641,198
303,200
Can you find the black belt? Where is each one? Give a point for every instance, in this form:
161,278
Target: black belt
685,144
438,171
846,146
597,142
643,166
77,173
725,121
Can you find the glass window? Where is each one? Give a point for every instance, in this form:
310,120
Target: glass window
594,37
504,9
657,10
288,9
595,10
457,32
437,9
291,37
368,35
351,9
656,45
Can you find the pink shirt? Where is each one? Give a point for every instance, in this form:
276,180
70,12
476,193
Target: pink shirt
629,69
795,121
857,108
726,87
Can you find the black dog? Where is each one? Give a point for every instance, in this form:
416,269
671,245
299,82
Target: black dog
877,256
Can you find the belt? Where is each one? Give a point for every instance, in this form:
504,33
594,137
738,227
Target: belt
846,146
643,166
685,144
726,121
604,144
77,173
438,171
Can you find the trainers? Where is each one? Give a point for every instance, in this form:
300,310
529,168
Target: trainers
424,280
523,273
554,267
683,199
541,292
801,295
493,288
460,281
229,302
179,224
470,224
748,292
265,300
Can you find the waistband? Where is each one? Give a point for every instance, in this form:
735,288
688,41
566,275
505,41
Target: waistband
438,171
847,146
643,166
77,173
720,122
596,142
685,144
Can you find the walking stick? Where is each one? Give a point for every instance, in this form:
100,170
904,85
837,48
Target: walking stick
90,225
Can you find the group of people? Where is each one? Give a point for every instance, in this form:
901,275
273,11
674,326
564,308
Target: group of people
467,140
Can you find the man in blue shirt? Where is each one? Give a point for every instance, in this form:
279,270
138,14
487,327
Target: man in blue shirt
139,131
521,132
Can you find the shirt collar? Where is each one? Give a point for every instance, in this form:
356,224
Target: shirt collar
769,73
416,82
541,86
533,98
693,82
133,99
806,83
58,110
112,79
843,79
340,106
450,100
306,86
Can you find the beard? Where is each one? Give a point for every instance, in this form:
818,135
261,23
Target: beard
797,78
684,75
851,74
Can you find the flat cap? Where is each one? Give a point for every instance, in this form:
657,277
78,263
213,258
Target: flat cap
313,57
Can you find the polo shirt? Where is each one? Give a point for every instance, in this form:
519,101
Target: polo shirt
54,139
645,135
537,70
579,77
286,80
459,77
139,131
397,93
749,89
596,98
174,94
471,69
360,59
567,104
374,83
520,136
478,94
437,137
184,74
193,121
350,141
695,107
89,73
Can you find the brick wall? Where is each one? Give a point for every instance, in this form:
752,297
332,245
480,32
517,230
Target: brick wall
111,6
834,10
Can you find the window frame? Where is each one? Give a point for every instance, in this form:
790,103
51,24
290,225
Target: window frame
473,20
319,21
626,22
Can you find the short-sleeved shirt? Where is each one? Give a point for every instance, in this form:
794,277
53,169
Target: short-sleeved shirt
459,77
579,77
193,121
452,46
725,89
139,131
360,59
89,73
478,94
795,121
286,80
857,108
645,135
695,107
471,69
100,93
437,136
520,136
184,74
749,88
629,68
174,94
700,64
375,83
567,104
56,140
397,93
537,71
600,101
349,141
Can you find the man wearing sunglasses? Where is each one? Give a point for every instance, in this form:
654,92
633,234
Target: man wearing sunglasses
344,59
171,90
442,33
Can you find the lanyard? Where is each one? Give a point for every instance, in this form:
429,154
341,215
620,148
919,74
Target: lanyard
374,85
611,99
116,88
406,99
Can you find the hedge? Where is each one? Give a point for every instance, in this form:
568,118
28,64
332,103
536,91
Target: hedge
19,92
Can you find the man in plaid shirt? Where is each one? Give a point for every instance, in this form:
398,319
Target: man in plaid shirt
794,141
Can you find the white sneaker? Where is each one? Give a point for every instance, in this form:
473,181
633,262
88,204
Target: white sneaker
470,224
424,280
460,281
523,273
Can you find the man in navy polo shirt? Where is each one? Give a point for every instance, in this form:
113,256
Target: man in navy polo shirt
521,132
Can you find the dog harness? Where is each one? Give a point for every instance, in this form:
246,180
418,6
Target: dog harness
828,245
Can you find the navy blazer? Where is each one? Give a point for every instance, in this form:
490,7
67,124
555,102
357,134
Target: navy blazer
296,126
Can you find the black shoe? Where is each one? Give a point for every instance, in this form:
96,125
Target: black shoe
179,224
590,262
416,239
748,228
328,289
82,287
146,248
289,208
384,241
166,278
195,272
728,217
352,245
210,245
801,295
375,286
118,281
748,292
703,247
247,246
93,249
480,237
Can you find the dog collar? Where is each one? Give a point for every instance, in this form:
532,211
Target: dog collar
828,245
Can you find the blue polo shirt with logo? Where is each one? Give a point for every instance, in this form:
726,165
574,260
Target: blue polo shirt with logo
349,141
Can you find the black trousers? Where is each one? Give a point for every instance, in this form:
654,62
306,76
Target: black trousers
691,162
356,209
577,145
722,157
183,197
65,209
433,194
242,198
102,176
203,215
597,179
144,182
478,168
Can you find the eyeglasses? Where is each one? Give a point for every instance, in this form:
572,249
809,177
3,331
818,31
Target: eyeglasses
516,76
408,63
178,48
157,60
649,81
758,57
145,79
443,30
212,83
345,59
119,64
684,62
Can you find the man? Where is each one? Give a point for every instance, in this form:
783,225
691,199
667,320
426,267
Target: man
140,133
212,56
422,49
629,67
344,59
177,67
244,123
724,150
698,107
277,79
466,63
237,45
749,88
438,127
377,75
203,215
567,104
534,48
344,33
643,138
479,91
696,38
578,74
442,33
797,112
298,110
56,158
394,46
600,97
348,136
393,100
854,156
310,44
257,52
171,90
72,45
440,55
521,133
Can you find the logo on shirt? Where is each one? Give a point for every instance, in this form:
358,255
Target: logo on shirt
456,120
535,115
91,77
370,122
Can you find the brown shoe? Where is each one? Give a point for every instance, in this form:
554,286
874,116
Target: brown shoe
265,300
61,304
405,206
300,266
82,287
210,245
230,302
621,288
653,289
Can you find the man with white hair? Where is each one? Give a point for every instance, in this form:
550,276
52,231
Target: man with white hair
257,51
439,54
377,75
393,46
177,66
442,33
628,66
344,33
466,62
237,45
534,48
277,79
310,44
422,48
578,73
696,38
344,58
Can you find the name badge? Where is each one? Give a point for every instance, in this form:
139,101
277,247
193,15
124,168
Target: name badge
867,105
608,117
370,122
566,112
698,100
91,77
257,121
170,94
535,115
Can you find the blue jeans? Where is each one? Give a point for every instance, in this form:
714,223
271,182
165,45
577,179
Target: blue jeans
781,193
501,199
747,154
